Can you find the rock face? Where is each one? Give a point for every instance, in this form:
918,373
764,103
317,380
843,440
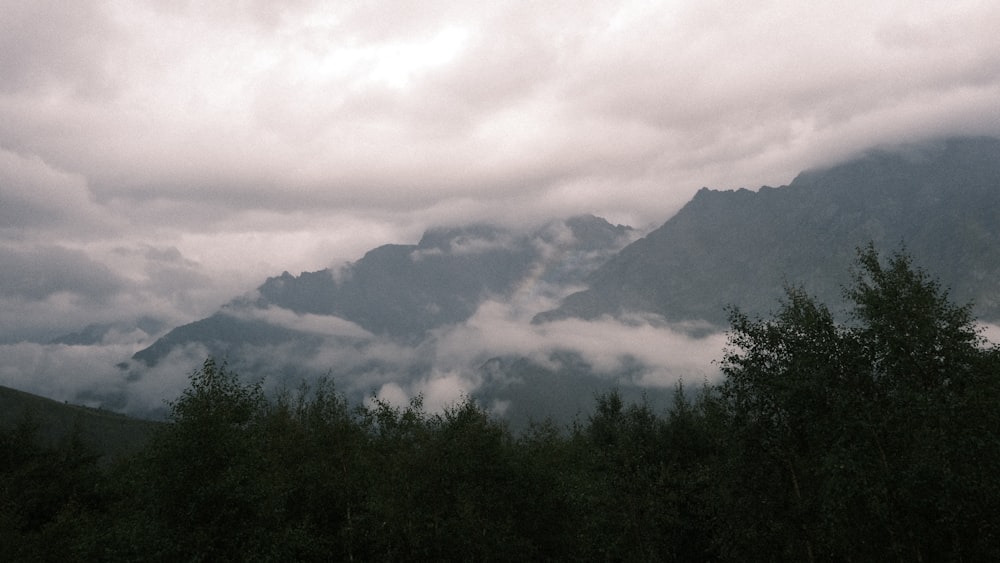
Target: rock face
939,201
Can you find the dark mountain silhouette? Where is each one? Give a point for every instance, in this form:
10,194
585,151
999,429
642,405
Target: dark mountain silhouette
938,200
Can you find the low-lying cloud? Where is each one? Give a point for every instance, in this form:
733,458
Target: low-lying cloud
640,353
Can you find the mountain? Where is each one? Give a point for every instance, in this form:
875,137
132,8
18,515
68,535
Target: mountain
405,290
402,292
535,322
220,333
940,201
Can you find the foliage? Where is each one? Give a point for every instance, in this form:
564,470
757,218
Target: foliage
43,492
855,441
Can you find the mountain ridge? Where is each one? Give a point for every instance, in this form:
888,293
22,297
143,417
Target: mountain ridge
939,201
405,290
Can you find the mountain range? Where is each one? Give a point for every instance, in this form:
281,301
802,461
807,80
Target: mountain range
502,310
404,291
937,201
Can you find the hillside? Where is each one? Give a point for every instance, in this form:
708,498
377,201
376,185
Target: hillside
109,434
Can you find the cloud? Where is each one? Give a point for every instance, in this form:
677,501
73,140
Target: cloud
160,158
88,375
36,197
991,333
48,291
41,272
48,45
322,325
669,352
342,107
438,391
470,243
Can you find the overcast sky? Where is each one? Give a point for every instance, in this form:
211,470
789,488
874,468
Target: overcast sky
159,157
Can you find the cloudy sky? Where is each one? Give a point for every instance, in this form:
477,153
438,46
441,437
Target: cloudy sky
160,157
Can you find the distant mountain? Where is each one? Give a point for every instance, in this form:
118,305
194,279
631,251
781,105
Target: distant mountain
938,200
403,291
221,333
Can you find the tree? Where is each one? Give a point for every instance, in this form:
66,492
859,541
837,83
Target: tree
204,473
50,492
779,376
933,385
444,486
855,440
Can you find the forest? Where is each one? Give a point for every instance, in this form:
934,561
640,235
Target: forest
874,437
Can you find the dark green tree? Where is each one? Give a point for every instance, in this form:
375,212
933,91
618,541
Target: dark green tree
621,490
929,397
313,447
777,390
693,432
855,440
447,487
206,489
48,494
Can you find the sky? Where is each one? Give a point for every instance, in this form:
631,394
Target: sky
158,158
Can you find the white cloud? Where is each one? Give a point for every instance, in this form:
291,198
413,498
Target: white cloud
608,345
438,391
324,325
88,374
